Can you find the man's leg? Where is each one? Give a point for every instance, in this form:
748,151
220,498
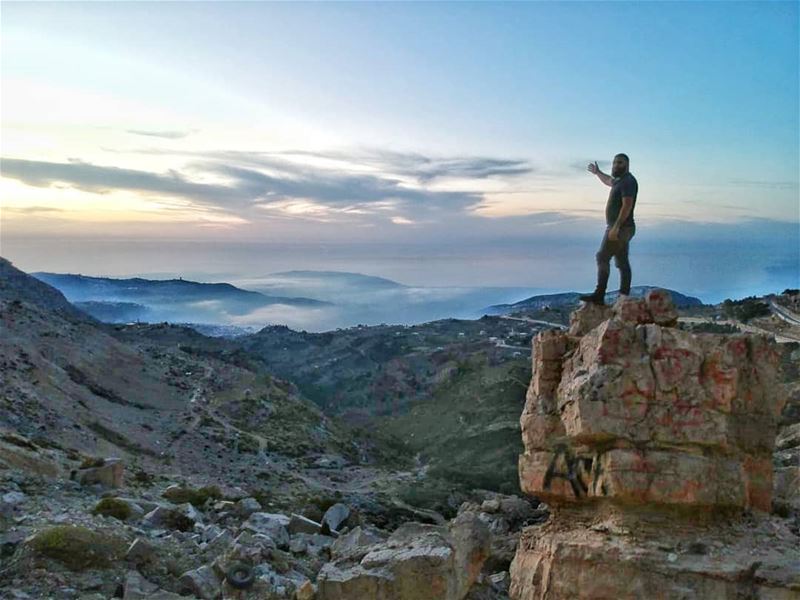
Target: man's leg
603,257
622,261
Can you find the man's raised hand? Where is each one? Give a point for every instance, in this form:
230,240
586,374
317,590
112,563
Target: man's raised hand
593,168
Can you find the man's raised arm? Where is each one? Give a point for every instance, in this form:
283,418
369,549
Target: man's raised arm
593,168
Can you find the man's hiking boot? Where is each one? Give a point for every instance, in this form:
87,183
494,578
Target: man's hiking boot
594,298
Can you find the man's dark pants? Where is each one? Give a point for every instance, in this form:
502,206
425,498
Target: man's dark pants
619,250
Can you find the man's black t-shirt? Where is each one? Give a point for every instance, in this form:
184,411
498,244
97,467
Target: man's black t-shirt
621,186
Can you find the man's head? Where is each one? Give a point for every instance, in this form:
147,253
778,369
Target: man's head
620,165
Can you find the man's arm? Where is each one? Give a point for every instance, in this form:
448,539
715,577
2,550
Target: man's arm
607,179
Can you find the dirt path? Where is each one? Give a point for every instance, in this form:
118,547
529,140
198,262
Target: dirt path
536,321
781,338
784,314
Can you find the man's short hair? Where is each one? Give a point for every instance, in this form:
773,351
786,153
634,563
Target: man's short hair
623,155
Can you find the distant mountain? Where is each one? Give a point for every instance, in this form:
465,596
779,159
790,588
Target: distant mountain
174,300
342,278
569,299
114,312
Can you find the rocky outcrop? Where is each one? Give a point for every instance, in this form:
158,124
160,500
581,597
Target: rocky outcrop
642,436
642,413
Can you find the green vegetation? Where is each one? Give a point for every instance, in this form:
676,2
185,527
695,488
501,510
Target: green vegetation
196,497
272,409
248,444
78,548
118,439
467,431
710,328
113,507
20,441
745,309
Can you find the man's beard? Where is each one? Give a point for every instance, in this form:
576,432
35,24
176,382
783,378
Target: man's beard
617,172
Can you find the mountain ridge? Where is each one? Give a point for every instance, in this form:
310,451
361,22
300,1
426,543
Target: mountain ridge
568,299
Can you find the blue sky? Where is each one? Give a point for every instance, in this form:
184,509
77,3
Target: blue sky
455,127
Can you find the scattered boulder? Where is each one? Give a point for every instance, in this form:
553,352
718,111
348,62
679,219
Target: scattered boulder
273,525
334,517
247,506
139,588
301,524
108,472
11,503
306,591
417,562
202,582
167,517
140,551
310,543
356,543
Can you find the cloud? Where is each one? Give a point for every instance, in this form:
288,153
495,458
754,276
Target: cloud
29,210
278,183
103,179
425,169
170,135
775,185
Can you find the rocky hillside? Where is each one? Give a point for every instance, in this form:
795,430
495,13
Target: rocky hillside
70,381
134,465
151,461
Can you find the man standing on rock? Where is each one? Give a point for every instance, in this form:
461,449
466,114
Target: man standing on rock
620,227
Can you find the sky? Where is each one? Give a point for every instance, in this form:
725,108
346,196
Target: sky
435,143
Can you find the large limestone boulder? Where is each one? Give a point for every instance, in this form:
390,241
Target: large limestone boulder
643,413
417,562
654,448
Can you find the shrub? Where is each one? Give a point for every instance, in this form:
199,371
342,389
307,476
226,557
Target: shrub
745,309
78,548
113,507
198,497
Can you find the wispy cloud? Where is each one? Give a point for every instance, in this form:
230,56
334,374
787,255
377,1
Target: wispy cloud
366,183
769,184
170,135
426,168
30,210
